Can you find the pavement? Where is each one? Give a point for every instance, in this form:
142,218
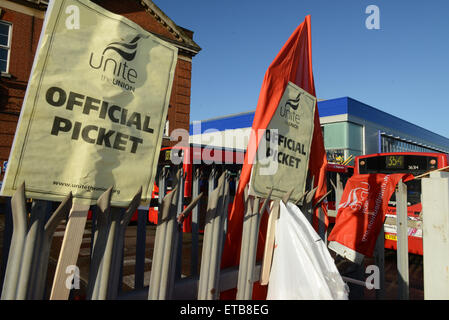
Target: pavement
416,284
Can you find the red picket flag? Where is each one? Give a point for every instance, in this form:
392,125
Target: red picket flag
361,213
293,63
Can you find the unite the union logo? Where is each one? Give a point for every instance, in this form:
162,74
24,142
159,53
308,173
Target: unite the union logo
289,111
294,103
127,50
356,197
114,63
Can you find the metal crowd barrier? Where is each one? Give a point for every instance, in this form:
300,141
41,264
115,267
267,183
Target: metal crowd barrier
29,248
108,244
24,271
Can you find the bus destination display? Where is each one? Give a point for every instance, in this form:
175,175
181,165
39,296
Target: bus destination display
394,162
415,164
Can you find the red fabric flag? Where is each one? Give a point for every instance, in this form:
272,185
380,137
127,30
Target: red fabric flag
361,213
293,63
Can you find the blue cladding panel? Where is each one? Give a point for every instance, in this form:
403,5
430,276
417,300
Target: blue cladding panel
244,120
333,107
364,111
344,105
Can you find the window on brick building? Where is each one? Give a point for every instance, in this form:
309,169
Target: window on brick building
167,129
5,45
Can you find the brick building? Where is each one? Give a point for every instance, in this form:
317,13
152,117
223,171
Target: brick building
20,27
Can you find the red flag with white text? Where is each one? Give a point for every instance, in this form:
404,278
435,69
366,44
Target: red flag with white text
293,63
361,214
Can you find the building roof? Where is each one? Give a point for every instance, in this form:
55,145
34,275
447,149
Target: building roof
183,36
39,2
350,106
232,121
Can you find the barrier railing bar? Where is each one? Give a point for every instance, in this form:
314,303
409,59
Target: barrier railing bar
178,270
38,280
402,243
213,238
355,281
32,248
7,237
379,260
19,214
139,269
187,288
165,247
195,224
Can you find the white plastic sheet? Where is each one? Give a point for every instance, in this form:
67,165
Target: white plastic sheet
302,268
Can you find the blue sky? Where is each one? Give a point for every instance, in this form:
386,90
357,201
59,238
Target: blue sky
402,69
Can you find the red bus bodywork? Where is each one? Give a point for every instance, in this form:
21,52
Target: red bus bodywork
414,207
345,173
191,156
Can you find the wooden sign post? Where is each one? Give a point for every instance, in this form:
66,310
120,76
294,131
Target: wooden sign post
70,248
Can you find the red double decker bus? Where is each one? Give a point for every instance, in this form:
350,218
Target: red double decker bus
416,163
196,156
192,158
345,173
